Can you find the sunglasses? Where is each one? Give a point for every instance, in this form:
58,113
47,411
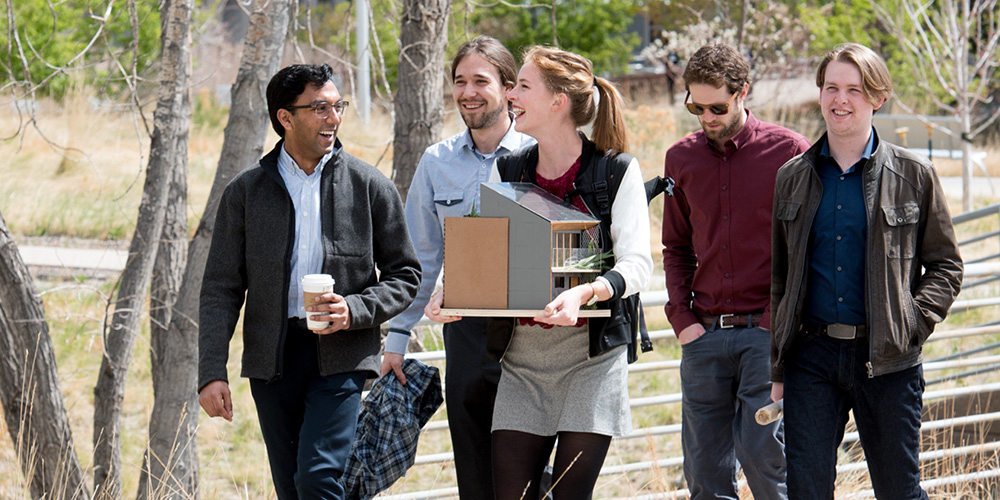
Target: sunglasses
716,109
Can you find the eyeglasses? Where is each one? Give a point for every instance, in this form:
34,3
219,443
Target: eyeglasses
716,109
323,108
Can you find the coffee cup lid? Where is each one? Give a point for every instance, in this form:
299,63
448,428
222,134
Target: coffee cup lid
318,279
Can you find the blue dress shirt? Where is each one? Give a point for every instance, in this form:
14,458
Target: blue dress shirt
837,243
446,184
307,254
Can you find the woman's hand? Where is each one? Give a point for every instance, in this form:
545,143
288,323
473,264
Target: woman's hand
565,310
433,309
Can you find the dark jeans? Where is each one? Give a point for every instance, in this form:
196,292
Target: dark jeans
725,379
824,379
308,422
470,391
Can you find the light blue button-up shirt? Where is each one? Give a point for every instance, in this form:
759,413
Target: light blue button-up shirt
446,184
307,254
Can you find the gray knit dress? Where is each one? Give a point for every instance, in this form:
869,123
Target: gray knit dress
550,384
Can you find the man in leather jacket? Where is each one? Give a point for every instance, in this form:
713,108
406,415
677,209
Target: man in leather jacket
864,265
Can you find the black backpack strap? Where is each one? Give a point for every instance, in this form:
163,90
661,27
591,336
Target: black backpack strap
601,188
514,167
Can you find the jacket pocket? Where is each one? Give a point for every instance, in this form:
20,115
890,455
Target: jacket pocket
917,325
788,210
449,204
901,230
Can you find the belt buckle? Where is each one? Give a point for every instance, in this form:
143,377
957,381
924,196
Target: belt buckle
722,321
841,331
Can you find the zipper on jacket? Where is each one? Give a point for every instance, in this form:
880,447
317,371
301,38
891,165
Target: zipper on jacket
868,250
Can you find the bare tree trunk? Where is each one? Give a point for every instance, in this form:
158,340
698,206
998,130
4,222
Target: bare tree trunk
172,459
168,151
741,29
419,102
29,385
170,464
175,361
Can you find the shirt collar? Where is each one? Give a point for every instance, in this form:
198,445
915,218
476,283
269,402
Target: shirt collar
508,142
744,136
869,148
512,139
288,165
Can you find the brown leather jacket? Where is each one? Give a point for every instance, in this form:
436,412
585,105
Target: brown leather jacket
914,271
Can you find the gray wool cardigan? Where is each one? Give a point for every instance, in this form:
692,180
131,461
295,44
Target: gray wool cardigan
250,257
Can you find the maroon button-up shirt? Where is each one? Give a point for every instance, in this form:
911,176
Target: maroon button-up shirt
717,227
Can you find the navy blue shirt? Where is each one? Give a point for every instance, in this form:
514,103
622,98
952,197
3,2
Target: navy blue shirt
837,243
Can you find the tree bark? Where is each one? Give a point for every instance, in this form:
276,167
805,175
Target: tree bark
170,463
29,385
168,151
172,459
419,103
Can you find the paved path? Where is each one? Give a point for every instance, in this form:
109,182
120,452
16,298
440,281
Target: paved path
103,259
100,259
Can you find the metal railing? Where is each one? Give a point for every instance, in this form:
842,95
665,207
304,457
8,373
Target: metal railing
980,264
980,271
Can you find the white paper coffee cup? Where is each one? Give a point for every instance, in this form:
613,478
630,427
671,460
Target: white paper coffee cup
313,285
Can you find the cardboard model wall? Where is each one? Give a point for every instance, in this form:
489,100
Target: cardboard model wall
475,263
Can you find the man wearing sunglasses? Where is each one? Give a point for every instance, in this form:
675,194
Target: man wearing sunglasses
717,259
307,207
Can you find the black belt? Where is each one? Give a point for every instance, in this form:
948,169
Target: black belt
299,323
747,320
837,330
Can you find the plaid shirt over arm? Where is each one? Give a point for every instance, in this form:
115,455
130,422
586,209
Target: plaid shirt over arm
389,424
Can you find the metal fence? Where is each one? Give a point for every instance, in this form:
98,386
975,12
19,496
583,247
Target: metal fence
979,271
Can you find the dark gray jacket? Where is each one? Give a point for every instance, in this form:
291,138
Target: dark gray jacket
914,271
250,257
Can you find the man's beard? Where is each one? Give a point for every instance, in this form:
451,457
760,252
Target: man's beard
484,120
726,133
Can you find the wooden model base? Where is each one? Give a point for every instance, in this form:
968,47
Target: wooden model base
518,313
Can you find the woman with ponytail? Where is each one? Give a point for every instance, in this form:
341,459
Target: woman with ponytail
565,377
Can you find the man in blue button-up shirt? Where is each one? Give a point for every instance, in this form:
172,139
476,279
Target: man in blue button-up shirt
864,264
837,243
446,184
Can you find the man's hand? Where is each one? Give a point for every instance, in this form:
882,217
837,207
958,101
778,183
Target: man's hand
337,313
777,391
393,361
433,309
215,399
565,310
691,333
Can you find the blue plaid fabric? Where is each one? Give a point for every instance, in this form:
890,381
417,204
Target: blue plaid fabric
389,424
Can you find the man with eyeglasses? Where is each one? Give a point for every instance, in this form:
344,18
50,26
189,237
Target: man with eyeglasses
717,260
307,207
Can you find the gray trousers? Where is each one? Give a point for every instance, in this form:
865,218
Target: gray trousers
725,379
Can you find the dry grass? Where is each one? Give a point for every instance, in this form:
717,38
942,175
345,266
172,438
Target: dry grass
96,195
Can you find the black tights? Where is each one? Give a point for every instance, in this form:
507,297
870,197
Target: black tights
519,458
